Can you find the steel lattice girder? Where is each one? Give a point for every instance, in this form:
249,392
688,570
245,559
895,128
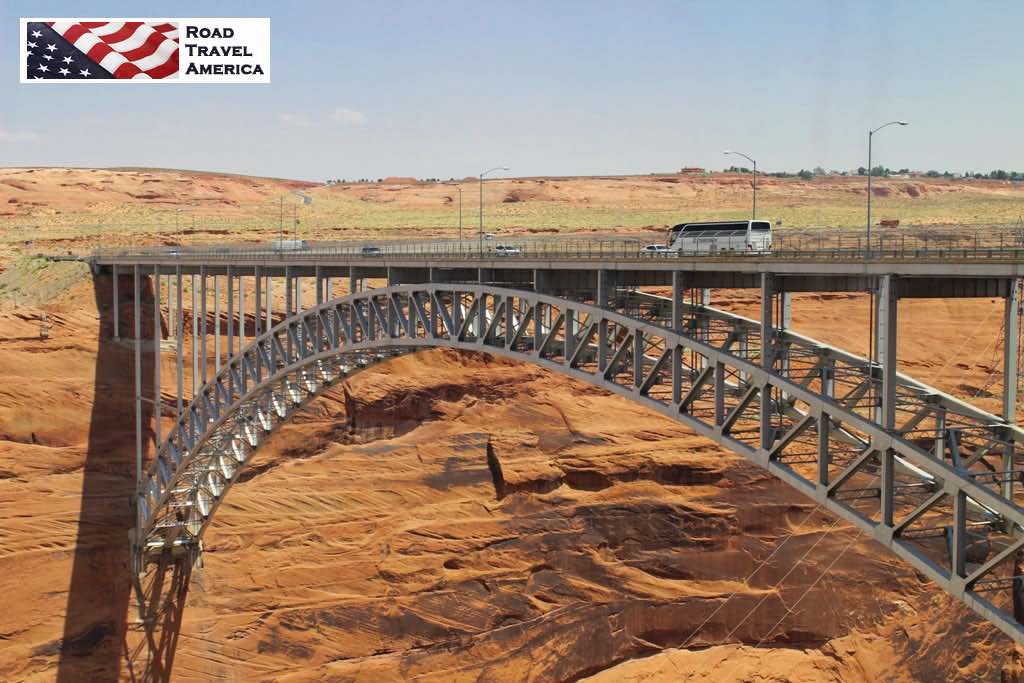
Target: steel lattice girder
881,482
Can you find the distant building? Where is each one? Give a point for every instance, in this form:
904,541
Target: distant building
692,170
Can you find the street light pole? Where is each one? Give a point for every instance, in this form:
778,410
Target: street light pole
871,134
496,168
741,154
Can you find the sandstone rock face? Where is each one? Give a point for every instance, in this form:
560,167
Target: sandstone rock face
450,517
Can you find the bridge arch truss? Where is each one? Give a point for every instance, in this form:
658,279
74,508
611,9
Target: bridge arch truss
920,472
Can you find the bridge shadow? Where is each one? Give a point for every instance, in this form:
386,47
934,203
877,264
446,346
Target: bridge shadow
161,603
94,645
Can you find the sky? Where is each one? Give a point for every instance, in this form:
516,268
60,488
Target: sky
550,87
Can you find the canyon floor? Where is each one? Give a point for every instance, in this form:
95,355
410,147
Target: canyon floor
371,541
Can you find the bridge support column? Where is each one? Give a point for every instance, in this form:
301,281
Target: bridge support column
157,329
605,283
678,291
230,280
241,311
195,336
767,357
569,327
319,286
679,285
289,293
202,331
117,304
352,282
785,318
257,284
886,336
1011,328
270,303
137,324
179,333
216,324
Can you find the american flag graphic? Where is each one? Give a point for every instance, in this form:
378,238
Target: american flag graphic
76,50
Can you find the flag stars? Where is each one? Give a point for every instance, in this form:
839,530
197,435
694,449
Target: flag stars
64,72
43,67
67,60
37,34
85,72
48,57
33,45
51,48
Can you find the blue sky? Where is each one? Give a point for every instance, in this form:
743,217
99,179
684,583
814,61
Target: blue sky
449,88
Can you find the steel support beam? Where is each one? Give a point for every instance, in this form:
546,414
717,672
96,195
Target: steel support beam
179,327
137,338
230,282
767,354
886,322
216,324
195,337
1011,323
204,295
241,310
117,303
157,329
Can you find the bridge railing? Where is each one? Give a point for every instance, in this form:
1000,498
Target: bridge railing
996,243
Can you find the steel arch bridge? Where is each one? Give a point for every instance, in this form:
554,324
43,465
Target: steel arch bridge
926,475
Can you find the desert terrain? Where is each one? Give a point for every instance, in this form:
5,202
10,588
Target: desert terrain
369,540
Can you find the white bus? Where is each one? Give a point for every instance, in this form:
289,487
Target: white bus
748,237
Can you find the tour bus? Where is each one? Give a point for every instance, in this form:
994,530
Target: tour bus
749,237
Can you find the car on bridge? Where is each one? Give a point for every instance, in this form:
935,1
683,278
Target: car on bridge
654,249
507,250
371,250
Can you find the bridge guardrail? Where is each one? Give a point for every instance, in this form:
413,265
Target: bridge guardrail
818,245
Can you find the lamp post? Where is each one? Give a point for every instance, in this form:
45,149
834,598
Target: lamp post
871,134
306,200
496,168
741,154
459,188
